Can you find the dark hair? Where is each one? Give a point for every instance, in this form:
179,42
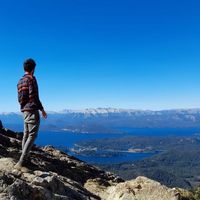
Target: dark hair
29,65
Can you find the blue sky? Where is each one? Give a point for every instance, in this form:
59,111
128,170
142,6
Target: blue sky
103,53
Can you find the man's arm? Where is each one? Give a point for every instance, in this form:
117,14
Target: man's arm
44,114
23,91
34,95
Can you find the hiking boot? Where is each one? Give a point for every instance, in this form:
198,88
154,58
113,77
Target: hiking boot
21,168
18,166
25,170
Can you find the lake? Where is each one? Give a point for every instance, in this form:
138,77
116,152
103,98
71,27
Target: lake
66,140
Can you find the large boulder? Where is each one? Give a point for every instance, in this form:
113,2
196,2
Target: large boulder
140,188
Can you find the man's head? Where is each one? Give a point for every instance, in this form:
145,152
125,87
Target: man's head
29,65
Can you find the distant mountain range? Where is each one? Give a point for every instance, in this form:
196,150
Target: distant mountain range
110,119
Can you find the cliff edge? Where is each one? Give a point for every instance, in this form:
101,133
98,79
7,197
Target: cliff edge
54,175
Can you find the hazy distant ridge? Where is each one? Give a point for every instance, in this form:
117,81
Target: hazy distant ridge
112,119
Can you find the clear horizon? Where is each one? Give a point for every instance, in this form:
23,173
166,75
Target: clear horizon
122,54
83,109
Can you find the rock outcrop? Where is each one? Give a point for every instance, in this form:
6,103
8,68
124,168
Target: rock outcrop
1,125
54,175
140,188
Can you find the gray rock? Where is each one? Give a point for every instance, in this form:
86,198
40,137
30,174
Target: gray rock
141,188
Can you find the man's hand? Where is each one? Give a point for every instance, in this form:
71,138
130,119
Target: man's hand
44,114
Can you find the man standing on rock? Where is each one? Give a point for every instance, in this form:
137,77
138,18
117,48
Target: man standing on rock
28,97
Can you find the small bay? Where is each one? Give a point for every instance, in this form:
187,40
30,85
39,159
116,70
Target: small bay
66,141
